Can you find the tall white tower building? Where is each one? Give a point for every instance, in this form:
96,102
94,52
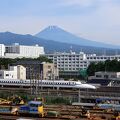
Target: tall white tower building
2,50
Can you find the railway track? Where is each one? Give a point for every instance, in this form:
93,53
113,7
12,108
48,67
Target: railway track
66,112
10,117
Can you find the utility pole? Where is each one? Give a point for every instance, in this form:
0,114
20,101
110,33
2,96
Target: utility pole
79,96
31,80
41,77
53,77
38,83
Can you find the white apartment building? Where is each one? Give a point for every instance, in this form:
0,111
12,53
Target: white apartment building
69,61
16,50
14,72
2,50
74,62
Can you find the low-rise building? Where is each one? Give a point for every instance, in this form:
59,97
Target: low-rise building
106,75
50,71
21,72
39,70
105,79
14,72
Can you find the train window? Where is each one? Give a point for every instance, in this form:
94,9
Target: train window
35,105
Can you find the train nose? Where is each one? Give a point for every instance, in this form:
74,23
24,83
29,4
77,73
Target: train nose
93,87
90,86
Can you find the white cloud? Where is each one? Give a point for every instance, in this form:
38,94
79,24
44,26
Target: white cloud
78,2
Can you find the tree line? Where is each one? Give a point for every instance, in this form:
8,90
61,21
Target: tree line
108,65
4,62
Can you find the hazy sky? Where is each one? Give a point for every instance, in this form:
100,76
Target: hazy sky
97,20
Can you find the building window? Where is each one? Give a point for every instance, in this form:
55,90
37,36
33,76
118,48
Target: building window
7,74
49,67
113,76
98,76
105,76
0,75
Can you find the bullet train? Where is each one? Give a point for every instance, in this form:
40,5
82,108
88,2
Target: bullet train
44,83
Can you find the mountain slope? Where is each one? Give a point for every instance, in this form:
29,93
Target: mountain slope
50,46
57,34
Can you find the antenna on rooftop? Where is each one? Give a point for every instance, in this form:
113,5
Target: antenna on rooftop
71,49
81,50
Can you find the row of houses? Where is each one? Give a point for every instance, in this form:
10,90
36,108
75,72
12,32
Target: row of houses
30,70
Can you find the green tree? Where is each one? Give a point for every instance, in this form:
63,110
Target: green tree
91,69
83,73
43,59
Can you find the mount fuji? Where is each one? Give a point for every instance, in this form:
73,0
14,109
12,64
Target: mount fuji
59,35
